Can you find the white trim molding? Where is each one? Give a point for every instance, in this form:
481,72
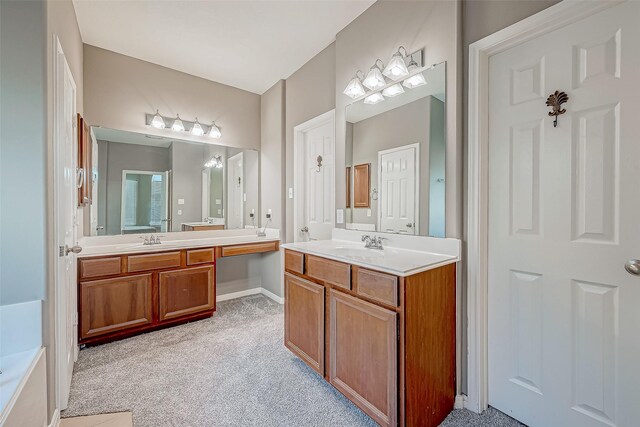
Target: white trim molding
248,292
556,16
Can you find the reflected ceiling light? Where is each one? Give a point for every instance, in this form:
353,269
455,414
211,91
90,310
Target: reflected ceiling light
374,98
393,90
375,79
397,67
214,162
196,129
415,80
215,132
177,125
157,121
354,89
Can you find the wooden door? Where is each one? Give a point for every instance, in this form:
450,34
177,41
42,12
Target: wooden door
363,361
111,305
304,320
563,313
184,292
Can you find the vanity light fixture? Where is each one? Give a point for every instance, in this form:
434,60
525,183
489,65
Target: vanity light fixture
177,125
374,98
397,67
354,89
157,121
393,90
375,79
415,80
196,129
215,132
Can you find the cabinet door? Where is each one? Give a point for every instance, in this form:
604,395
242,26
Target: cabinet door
363,362
185,292
111,305
304,320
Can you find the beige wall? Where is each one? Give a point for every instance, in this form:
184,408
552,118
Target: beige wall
119,90
310,92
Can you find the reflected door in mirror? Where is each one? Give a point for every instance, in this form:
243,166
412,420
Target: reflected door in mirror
399,189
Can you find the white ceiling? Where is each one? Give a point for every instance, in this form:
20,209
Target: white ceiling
246,44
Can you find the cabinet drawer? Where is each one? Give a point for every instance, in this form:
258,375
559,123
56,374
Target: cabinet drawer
99,267
333,272
378,286
200,256
111,305
249,248
184,292
294,261
153,261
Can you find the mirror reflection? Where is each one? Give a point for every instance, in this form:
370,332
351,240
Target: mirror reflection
395,157
150,184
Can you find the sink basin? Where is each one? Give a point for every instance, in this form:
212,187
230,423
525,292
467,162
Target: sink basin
357,253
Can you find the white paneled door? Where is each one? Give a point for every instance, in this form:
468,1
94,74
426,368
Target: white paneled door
398,186
65,200
564,218
314,178
235,193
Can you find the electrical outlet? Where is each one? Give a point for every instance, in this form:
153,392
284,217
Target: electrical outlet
291,193
368,212
339,216
179,211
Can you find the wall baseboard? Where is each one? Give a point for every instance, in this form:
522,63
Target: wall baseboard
460,402
248,292
269,294
239,294
55,419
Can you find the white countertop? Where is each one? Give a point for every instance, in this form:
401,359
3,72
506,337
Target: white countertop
392,260
123,244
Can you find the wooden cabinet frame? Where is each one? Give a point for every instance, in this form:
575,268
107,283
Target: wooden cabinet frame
362,186
85,162
418,314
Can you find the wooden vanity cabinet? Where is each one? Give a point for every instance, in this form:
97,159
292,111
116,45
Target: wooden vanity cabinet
122,295
386,342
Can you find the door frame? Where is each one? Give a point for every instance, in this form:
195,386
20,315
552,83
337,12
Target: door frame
59,62
416,199
299,159
552,18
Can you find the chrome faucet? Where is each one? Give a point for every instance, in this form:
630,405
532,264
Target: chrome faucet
372,242
151,240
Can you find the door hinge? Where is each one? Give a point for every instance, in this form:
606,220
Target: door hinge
398,331
75,318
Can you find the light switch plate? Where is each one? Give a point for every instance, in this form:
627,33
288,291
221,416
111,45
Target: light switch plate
368,212
218,202
244,197
181,201
290,193
339,216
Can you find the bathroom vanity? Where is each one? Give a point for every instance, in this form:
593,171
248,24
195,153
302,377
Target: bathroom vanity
377,325
125,288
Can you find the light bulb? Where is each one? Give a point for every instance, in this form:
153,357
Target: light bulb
157,121
197,129
177,125
396,68
354,89
214,132
374,79
415,81
393,90
374,98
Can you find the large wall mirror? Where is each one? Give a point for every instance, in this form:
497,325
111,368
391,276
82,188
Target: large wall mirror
150,184
395,157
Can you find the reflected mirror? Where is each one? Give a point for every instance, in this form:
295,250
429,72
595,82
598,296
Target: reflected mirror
395,157
150,184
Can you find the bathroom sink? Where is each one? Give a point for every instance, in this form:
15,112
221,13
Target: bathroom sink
358,253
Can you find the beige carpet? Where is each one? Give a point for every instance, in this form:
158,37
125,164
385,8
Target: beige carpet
230,370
